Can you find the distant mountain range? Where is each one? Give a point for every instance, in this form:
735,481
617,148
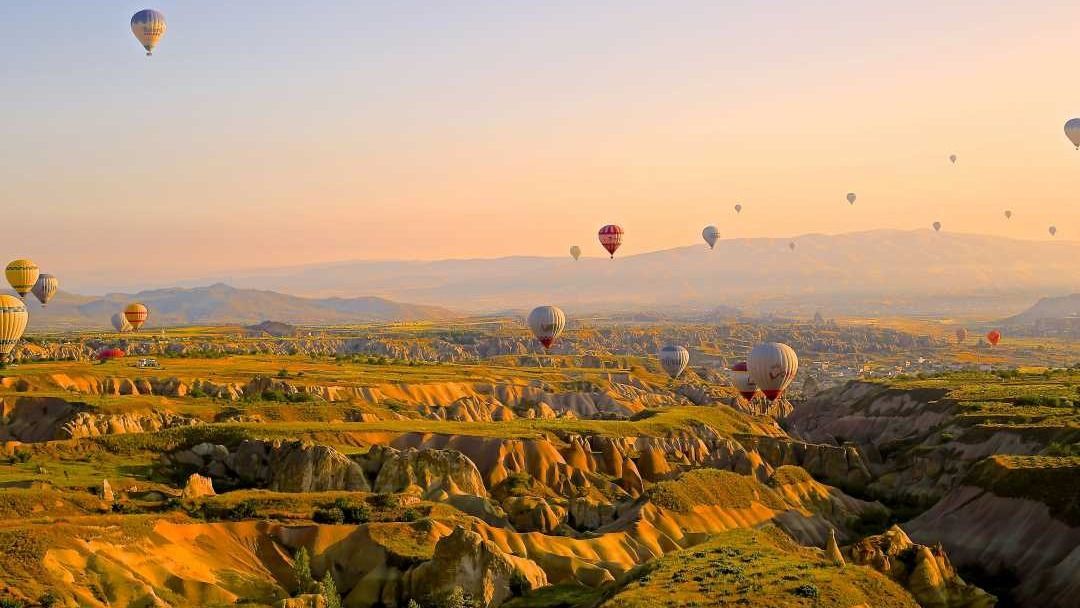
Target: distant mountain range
877,272
222,304
1062,307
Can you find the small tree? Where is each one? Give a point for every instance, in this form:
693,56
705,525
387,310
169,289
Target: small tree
302,571
329,591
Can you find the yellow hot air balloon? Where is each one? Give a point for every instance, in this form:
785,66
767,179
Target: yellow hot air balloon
13,319
22,274
136,314
148,26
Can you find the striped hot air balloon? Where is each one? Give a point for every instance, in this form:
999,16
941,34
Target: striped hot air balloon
773,366
674,359
148,26
611,237
740,377
13,320
136,314
546,323
21,275
45,288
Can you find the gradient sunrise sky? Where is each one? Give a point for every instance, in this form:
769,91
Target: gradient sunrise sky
281,132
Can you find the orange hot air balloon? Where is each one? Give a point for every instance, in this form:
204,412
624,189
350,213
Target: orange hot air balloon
993,337
136,314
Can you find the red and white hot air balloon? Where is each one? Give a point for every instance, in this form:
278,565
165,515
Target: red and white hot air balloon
740,377
546,323
993,337
611,237
772,367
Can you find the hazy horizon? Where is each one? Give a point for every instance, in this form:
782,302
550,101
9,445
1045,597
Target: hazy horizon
498,129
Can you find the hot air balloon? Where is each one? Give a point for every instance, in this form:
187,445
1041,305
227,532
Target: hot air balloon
107,354
1072,131
738,208
546,323
993,337
674,359
21,275
851,198
791,245
611,237
120,323
710,234
1053,230
1008,214
740,377
136,314
961,335
575,252
148,26
937,226
772,367
45,288
952,158
13,319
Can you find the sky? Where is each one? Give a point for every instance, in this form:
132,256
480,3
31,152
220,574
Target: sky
280,132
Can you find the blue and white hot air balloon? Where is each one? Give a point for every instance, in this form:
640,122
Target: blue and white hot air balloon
148,26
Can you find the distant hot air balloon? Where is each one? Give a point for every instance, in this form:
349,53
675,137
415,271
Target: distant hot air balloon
740,377
1072,131
937,226
13,319
993,337
791,245
45,288
952,158
107,354
851,198
1008,214
120,323
611,237
674,359
710,234
961,335
136,314
1053,230
546,323
148,26
575,252
772,367
21,275
738,208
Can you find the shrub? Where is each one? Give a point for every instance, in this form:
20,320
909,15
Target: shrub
245,509
333,515
9,602
386,501
808,590
302,571
410,515
354,513
329,591
519,583
48,600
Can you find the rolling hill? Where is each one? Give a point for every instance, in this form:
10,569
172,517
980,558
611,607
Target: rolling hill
222,304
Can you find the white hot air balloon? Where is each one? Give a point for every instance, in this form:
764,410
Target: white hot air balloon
772,367
546,323
148,26
13,319
120,323
937,226
45,288
740,377
710,234
674,359
575,252
1072,131
851,198
1053,230
952,158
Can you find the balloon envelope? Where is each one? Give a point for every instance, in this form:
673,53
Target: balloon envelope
952,158
1053,230
611,237
740,377
575,252
21,275
772,367
136,314
13,320
937,226
120,323
148,26
738,208
710,234
993,337
674,359
106,354
1072,131
546,323
851,197
45,288
1008,214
